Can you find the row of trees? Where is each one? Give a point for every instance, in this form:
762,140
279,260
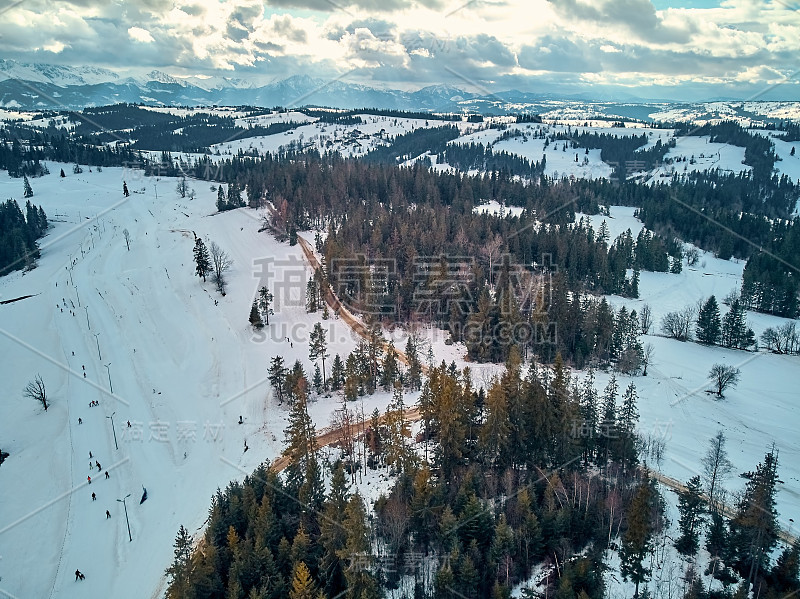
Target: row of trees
366,369
704,322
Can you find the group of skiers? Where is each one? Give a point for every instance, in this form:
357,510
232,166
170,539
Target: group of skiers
92,466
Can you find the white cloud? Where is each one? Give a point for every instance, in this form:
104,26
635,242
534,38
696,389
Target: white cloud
138,34
497,43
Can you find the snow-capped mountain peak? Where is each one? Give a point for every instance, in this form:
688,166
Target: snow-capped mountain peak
55,74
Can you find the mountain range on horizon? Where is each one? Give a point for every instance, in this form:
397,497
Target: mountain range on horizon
41,86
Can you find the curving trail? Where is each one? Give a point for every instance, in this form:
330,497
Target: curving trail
331,436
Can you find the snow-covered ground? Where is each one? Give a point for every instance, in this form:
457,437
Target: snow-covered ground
183,361
347,140
496,208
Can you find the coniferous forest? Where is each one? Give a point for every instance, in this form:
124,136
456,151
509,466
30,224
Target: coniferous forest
19,233
539,470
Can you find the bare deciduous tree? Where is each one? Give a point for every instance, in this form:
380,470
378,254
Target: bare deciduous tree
716,466
646,319
724,377
692,256
782,340
395,519
678,324
221,262
182,187
36,391
492,251
647,357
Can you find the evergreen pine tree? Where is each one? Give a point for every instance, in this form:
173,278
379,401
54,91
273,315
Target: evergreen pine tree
277,376
318,346
734,326
202,260
312,295
389,371
495,439
333,535
638,538
337,373
627,420
222,202
754,529
316,380
589,415
255,316
180,570
27,189
303,585
690,506
360,583
414,365
709,325
785,577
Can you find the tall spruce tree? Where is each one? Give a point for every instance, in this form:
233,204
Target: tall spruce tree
318,346
754,529
690,506
734,326
255,316
277,376
27,190
180,570
202,259
709,324
222,202
637,541
333,535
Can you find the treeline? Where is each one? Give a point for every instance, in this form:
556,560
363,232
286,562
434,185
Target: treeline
412,144
368,368
759,151
23,152
333,116
118,117
476,156
377,208
198,133
733,215
623,152
18,235
791,131
400,114
270,539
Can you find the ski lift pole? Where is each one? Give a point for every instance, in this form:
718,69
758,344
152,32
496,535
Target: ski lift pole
124,505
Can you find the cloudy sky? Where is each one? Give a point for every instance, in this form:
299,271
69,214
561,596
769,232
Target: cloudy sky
675,49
